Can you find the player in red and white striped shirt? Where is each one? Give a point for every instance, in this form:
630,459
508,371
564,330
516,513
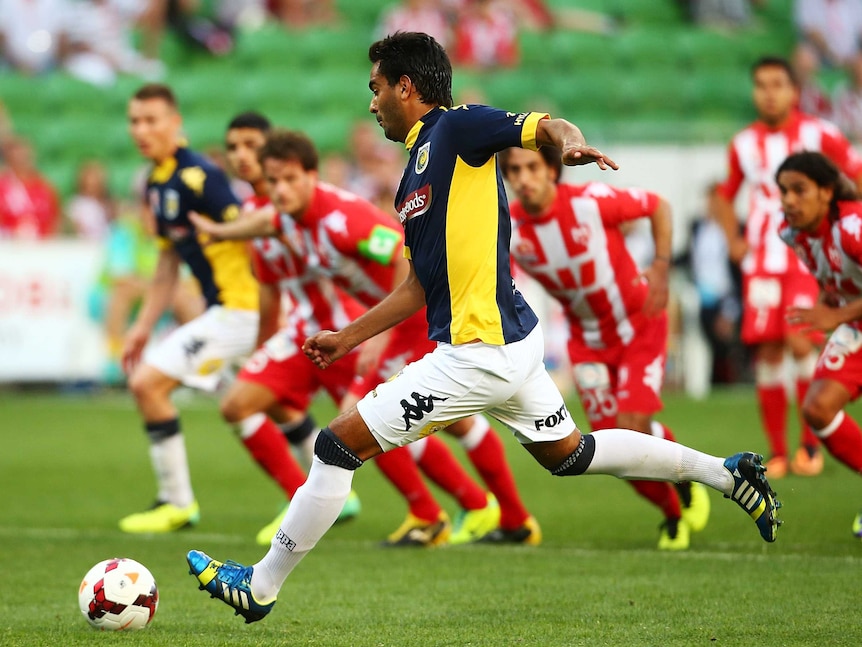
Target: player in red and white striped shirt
823,223
568,238
773,278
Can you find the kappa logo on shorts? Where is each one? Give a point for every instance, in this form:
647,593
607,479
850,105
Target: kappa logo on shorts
423,404
552,420
193,347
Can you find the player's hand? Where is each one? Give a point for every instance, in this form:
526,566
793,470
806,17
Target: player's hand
324,348
656,276
818,317
737,249
133,347
205,226
580,154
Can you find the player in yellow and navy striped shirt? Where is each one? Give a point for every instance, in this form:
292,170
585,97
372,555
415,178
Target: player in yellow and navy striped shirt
182,181
490,348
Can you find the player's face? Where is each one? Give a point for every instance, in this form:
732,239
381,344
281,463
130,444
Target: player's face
290,186
805,203
241,147
531,179
386,106
155,127
774,94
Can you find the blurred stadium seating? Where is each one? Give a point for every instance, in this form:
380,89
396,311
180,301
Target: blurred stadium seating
658,79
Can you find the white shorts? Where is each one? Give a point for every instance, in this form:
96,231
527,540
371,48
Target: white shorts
507,382
197,352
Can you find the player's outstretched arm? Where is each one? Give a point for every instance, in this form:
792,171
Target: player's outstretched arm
657,274
326,347
254,225
569,139
824,317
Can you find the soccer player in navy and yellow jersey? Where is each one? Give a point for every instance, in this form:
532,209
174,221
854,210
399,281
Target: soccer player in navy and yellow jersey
490,349
182,181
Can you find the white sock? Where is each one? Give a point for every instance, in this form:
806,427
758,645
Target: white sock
171,466
477,432
631,455
313,509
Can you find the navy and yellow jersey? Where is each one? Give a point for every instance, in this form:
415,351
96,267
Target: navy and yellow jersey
453,206
188,182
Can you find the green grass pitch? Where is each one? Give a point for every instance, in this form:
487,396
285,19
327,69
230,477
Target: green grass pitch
71,466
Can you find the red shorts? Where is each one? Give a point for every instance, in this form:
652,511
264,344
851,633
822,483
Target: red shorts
408,343
841,360
623,379
282,367
766,298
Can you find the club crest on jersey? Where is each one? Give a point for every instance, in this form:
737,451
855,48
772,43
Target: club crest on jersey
422,158
172,204
416,203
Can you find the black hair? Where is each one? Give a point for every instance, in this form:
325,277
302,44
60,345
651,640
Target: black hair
286,145
419,57
775,61
250,119
552,157
822,171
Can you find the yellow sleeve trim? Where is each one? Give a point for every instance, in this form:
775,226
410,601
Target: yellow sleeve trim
407,253
528,132
163,243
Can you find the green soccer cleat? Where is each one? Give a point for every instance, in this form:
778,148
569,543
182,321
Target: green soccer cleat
352,508
229,582
528,534
696,513
162,517
418,532
857,526
674,534
752,492
472,525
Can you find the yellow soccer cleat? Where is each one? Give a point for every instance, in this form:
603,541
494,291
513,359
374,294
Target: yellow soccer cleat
529,534
696,513
674,535
162,517
418,532
472,525
351,509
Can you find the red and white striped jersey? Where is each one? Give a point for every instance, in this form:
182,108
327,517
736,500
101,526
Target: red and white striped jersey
577,252
754,156
310,301
350,241
833,253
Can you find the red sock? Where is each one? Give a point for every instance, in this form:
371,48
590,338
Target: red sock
269,448
845,443
399,468
773,414
660,494
438,464
807,439
489,459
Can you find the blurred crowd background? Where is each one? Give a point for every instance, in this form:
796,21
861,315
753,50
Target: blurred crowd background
660,85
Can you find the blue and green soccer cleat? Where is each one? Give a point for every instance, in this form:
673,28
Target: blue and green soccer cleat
752,492
230,582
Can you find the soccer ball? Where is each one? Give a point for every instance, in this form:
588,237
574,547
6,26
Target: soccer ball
118,594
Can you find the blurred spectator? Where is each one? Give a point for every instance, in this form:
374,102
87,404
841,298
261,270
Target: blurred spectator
374,169
417,15
719,287
721,14
29,208
91,208
486,35
812,97
832,27
100,41
298,14
847,105
33,34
